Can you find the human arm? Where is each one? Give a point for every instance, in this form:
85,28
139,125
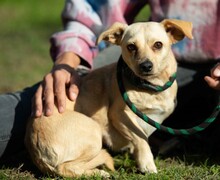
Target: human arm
82,23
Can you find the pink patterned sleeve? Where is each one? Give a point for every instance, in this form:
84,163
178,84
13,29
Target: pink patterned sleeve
205,16
83,22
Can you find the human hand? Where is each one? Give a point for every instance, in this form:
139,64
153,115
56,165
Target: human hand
62,81
214,80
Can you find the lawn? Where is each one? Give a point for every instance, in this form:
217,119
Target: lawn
25,29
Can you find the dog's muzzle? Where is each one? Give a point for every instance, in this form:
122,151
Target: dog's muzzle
146,67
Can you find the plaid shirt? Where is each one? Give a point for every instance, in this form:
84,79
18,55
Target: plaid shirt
84,20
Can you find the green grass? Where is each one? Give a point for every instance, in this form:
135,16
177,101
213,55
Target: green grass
25,29
174,168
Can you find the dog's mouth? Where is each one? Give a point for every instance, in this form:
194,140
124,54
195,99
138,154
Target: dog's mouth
144,74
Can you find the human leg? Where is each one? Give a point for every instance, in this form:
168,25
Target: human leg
15,108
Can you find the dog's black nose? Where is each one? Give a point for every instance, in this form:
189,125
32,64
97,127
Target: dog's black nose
146,66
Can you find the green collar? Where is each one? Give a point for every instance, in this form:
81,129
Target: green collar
141,83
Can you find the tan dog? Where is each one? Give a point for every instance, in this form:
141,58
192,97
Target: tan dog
70,144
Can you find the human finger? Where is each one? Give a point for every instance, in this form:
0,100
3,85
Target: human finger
74,86
37,103
60,80
215,72
213,83
48,95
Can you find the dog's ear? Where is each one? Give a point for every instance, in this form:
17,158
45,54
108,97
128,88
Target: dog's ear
113,34
177,29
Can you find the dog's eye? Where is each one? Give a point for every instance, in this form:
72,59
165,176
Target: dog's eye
158,45
131,47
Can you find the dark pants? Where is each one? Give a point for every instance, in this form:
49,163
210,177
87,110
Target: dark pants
15,108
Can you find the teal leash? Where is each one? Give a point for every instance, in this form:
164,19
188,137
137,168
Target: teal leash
146,85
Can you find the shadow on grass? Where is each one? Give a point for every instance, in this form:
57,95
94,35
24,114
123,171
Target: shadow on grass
20,163
196,150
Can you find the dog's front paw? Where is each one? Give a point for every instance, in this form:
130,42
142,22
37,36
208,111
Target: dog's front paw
104,174
150,168
147,166
145,159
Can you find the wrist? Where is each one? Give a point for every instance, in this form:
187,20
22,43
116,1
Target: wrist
68,58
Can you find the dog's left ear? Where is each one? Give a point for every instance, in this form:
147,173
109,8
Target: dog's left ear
113,34
177,29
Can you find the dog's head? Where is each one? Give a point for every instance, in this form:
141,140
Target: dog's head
146,47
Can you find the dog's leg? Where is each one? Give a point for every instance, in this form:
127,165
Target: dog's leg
125,123
76,168
102,158
144,156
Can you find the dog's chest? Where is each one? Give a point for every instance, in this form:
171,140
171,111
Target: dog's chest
152,102
157,106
